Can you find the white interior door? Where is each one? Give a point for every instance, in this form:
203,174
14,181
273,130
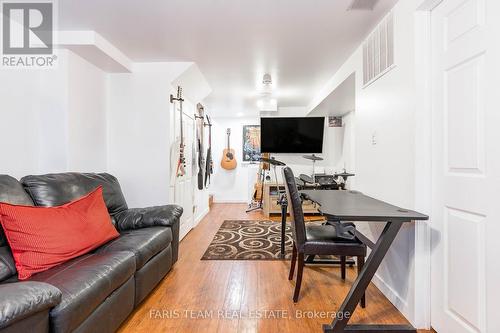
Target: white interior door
466,169
184,186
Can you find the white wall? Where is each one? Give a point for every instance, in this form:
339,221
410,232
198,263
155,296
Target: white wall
231,185
44,117
385,112
20,132
87,99
138,136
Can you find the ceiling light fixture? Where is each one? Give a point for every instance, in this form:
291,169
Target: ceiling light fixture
267,85
267,79
267,103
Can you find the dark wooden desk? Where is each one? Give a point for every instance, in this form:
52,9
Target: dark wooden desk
355,206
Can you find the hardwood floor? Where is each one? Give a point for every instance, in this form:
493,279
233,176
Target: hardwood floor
246,296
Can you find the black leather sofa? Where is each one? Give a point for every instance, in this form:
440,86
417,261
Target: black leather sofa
97,291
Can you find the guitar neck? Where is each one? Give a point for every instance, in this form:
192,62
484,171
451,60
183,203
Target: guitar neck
182,130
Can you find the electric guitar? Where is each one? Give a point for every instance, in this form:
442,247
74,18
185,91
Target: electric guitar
180,168
228,159
200,117
209,164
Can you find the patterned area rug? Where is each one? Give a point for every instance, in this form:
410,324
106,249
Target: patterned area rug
249,240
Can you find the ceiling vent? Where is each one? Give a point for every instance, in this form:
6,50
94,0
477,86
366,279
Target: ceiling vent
378,51
362,5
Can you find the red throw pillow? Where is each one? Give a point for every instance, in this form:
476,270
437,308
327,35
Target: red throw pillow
43,237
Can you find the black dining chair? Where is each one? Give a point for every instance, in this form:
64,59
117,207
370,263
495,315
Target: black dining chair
313,239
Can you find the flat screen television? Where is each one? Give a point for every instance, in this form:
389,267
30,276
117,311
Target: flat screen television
292,135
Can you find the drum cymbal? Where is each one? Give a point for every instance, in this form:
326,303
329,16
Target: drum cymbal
272,161
345,174
313,157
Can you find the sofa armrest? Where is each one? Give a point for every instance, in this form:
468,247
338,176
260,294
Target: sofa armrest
167,216
138,218
23,299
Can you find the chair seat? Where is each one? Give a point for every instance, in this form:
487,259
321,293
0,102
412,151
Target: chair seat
328,233
323,239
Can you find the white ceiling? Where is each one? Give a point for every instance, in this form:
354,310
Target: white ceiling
234,42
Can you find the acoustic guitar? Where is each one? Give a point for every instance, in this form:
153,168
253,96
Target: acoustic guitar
228,159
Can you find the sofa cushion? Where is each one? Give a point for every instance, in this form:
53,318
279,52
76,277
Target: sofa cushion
61,188
85,282
43,237
144,243
11,191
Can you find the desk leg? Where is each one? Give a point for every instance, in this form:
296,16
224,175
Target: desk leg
284,209
339,324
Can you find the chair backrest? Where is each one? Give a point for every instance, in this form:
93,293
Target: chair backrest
295,205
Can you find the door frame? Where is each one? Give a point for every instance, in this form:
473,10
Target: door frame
423,161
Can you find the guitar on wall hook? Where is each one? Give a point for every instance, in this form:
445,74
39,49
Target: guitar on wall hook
209,164
180,169
200,135
228,159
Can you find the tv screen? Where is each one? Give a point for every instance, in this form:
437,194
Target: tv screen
292,135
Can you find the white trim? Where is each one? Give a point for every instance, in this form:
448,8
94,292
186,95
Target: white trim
230,201
183,230
423,163
423,169
201,216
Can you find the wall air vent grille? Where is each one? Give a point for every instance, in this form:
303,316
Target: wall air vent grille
378,51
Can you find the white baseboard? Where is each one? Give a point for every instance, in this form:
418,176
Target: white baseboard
201,216
393,297
230,201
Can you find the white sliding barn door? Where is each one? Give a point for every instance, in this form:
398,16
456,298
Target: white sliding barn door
466,169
